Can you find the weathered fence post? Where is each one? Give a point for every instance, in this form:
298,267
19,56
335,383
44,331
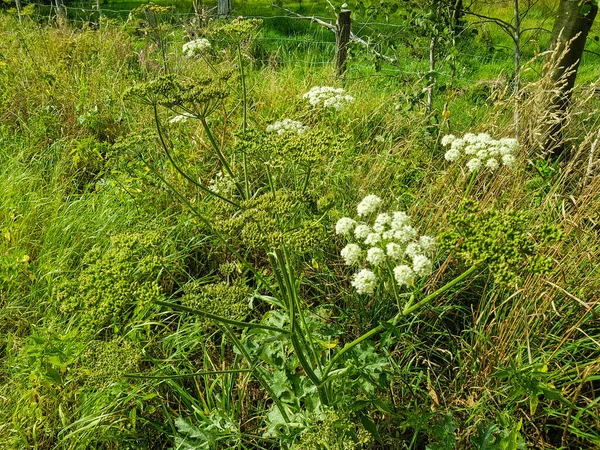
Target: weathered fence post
223,8
342,37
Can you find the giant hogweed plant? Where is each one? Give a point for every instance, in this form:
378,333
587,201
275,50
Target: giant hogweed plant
291,351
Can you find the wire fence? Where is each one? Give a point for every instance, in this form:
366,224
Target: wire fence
316,41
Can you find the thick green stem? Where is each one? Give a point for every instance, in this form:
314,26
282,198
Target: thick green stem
404,312
440,291
246,179
306,180
270,179
470,185
285,279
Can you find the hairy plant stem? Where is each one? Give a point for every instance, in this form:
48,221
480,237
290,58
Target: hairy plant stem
404,312
470,185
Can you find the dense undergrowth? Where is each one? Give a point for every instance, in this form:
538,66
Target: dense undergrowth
173,275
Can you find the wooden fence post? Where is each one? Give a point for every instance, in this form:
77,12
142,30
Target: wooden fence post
223,8
342,37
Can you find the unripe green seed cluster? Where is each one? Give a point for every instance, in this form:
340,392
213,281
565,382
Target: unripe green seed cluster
508,243
265,222
223,299
117,282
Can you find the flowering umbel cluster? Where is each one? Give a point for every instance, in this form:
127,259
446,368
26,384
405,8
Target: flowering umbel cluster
287,126
196,47
481,151
387,244
328,97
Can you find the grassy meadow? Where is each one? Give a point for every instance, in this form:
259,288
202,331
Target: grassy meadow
180,268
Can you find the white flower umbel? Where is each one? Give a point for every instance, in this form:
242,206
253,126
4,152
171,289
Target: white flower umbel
509,161
388,244
413,249
196,47
351,254
422,265
492,164
448,139
405,234
287,126
328,97
473,164
427,243
481,151
394,250
222,184
345,226
404,275
368,205
365,282
380,223
373,238
181,118
362,231
376,256
399,220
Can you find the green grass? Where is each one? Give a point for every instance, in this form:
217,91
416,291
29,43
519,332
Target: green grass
103,242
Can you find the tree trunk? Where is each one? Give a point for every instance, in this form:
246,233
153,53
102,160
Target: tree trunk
457,16
571,28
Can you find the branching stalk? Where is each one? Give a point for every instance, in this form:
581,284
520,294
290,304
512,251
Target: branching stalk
180,171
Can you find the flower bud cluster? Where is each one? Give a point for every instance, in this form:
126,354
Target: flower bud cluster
196,47
481,151
287,126
328,97
388,241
